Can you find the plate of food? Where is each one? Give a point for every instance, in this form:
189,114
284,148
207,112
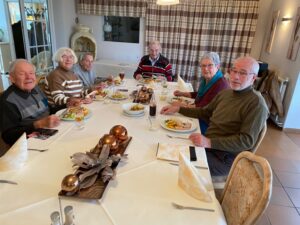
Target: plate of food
100,95
133,108
178,124
69,114
118,95
181,99
147,80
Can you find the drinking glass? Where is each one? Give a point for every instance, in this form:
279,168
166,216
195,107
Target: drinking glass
122,75
79,119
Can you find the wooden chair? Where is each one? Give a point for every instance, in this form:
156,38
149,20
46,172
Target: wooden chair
219,181
260,137
248,189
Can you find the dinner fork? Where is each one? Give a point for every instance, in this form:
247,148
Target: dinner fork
171,136
177,206
37,150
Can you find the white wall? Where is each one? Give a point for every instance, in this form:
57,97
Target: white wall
292,119
277,58
264,6
64,21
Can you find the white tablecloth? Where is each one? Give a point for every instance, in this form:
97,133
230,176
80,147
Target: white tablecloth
141,193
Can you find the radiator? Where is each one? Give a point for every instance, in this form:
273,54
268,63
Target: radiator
283,82
105,67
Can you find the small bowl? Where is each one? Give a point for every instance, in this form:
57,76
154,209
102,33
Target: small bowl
127,108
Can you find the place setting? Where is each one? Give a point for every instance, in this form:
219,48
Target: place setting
133,109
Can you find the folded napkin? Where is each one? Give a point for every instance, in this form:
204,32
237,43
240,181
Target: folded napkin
182,86
194,185
167,151
16,156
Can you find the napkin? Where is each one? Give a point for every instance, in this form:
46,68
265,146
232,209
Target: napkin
194,185
16,156
182,86
168,151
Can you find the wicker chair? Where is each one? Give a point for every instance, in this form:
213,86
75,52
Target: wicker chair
219,181
248,189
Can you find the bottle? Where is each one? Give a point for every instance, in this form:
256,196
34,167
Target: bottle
152,106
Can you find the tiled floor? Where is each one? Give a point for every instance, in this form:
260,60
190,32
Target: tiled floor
282,150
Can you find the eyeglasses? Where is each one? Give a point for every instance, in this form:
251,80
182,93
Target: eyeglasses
65,57
240,73
209,66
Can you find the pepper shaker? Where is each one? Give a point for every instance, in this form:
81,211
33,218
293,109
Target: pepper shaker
69,215
55,218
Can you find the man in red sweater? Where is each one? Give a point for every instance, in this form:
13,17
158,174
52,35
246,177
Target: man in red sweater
154,65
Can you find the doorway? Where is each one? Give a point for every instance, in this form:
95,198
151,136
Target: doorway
29,28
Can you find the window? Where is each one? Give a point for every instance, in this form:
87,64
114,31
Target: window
121,29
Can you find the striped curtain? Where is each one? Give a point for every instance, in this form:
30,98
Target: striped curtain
188,30
130,8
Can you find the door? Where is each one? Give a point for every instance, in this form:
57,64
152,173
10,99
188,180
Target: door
30,32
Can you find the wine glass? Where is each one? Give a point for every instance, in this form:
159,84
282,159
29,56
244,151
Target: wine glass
79,119
122,75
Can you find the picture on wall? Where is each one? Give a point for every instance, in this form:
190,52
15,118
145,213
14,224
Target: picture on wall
295,39
272,30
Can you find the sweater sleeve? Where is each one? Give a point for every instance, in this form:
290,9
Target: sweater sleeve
168,70
139,70
56,89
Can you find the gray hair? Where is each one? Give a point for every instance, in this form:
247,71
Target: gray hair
12,66
61,51
83,55
154,42
213,56
251,62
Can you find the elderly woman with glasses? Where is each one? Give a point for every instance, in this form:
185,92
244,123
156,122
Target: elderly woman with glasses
63,87
211,83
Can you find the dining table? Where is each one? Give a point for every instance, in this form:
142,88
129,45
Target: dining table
143,189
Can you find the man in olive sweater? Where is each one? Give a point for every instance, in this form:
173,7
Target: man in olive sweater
235,117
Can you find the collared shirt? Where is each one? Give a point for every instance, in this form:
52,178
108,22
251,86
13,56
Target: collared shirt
153,61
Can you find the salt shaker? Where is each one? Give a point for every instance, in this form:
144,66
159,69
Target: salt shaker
55,218
69,215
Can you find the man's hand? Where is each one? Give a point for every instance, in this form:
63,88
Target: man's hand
200,140
49,122
169,109
138,76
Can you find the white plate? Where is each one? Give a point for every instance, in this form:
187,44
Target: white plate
124,96
181,99
126,108
99,98
134,115
60,114
182,119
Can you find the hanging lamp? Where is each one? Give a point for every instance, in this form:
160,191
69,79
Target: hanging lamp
167,2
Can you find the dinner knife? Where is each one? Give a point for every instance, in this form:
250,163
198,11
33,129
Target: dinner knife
8,182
